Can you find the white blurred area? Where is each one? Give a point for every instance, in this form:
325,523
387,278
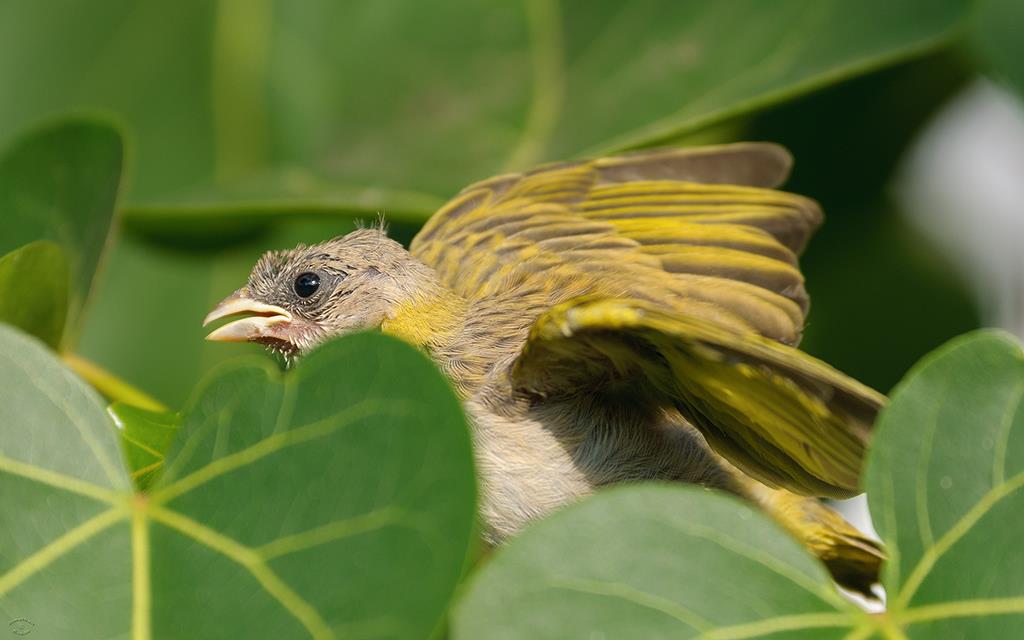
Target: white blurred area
961,185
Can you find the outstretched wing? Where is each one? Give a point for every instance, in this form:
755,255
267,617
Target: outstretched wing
696,230
666,270
780,415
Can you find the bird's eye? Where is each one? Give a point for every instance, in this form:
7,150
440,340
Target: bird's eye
307,284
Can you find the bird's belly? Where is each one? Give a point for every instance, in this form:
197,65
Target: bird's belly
535,459
525,470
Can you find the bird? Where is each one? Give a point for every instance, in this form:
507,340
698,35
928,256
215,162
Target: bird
620,319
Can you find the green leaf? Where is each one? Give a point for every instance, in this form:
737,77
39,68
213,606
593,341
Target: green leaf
34,290
59,182
996,36
145,438
407,96
313,504
64,489
654,562
944,484
705,62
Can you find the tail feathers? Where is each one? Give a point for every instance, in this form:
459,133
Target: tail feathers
853,559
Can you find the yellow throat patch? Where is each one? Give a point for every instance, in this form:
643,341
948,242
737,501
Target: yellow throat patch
426,321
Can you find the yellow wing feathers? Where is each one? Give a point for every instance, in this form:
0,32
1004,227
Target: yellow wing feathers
658,226
779,415
675,272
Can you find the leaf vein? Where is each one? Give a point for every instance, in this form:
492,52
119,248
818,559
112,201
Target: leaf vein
781,623
331,532
60,547
717,537
246,556
635,596
141,587
954,534
144,447
964,609
72,416
272,444
284,412
191,443
141,471
924,524
58,480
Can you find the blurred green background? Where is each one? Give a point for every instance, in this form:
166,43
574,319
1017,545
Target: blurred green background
256,124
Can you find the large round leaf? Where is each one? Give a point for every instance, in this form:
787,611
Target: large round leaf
945,483
60,183
65,541
654,562
328,502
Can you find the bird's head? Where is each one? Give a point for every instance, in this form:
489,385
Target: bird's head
298,298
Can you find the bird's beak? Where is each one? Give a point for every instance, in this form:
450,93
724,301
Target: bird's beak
263,320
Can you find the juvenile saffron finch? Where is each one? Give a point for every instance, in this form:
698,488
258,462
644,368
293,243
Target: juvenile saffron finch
616,320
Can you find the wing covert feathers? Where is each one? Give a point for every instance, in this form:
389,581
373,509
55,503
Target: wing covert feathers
778,414
695,228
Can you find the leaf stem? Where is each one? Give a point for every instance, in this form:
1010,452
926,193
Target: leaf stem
141,590
112,387
548,66
241,44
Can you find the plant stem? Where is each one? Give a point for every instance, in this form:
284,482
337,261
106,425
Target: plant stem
238,86
109,385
